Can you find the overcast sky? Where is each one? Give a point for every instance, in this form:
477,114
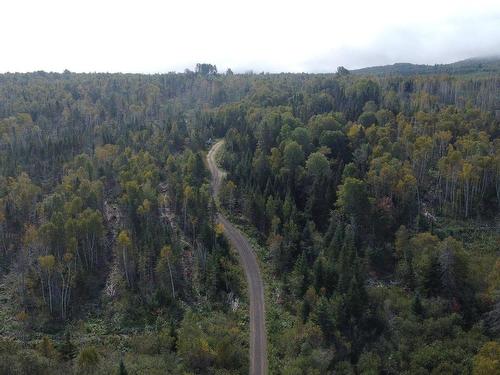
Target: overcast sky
260,35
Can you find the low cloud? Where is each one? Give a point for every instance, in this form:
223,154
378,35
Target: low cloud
456,39
262,35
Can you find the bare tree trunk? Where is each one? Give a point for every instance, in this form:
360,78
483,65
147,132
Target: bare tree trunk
124,256
49,281
171,278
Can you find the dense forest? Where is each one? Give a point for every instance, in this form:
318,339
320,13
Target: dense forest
473,66
373,203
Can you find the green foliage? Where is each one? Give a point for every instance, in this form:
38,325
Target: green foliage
367,119
352,198
122,370
67,348
293,155
317,164
377,158
375,198
87,360
212,342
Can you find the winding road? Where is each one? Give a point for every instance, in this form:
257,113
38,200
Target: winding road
258,343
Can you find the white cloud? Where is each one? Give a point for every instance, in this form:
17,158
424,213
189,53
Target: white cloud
262,35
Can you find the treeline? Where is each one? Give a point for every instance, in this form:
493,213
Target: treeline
110,256
473,66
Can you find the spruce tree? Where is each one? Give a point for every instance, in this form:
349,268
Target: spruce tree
346,260
416,305
335,246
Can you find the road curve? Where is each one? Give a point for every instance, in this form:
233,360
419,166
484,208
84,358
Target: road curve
258,343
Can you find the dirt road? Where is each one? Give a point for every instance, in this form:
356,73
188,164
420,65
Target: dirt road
258,343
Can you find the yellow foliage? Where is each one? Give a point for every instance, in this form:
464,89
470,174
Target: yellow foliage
487,361
166,251
231,186
144,208
47,262
205,347
106,152
354,131
22,316
124,239
30,235
219,229
188,192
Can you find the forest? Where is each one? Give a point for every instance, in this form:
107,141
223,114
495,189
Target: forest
372,201
473,66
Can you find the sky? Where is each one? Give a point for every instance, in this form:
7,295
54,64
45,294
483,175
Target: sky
152,36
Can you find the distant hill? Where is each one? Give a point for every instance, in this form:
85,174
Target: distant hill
476,65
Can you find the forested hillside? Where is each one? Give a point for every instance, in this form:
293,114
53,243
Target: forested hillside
478,65
374,201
